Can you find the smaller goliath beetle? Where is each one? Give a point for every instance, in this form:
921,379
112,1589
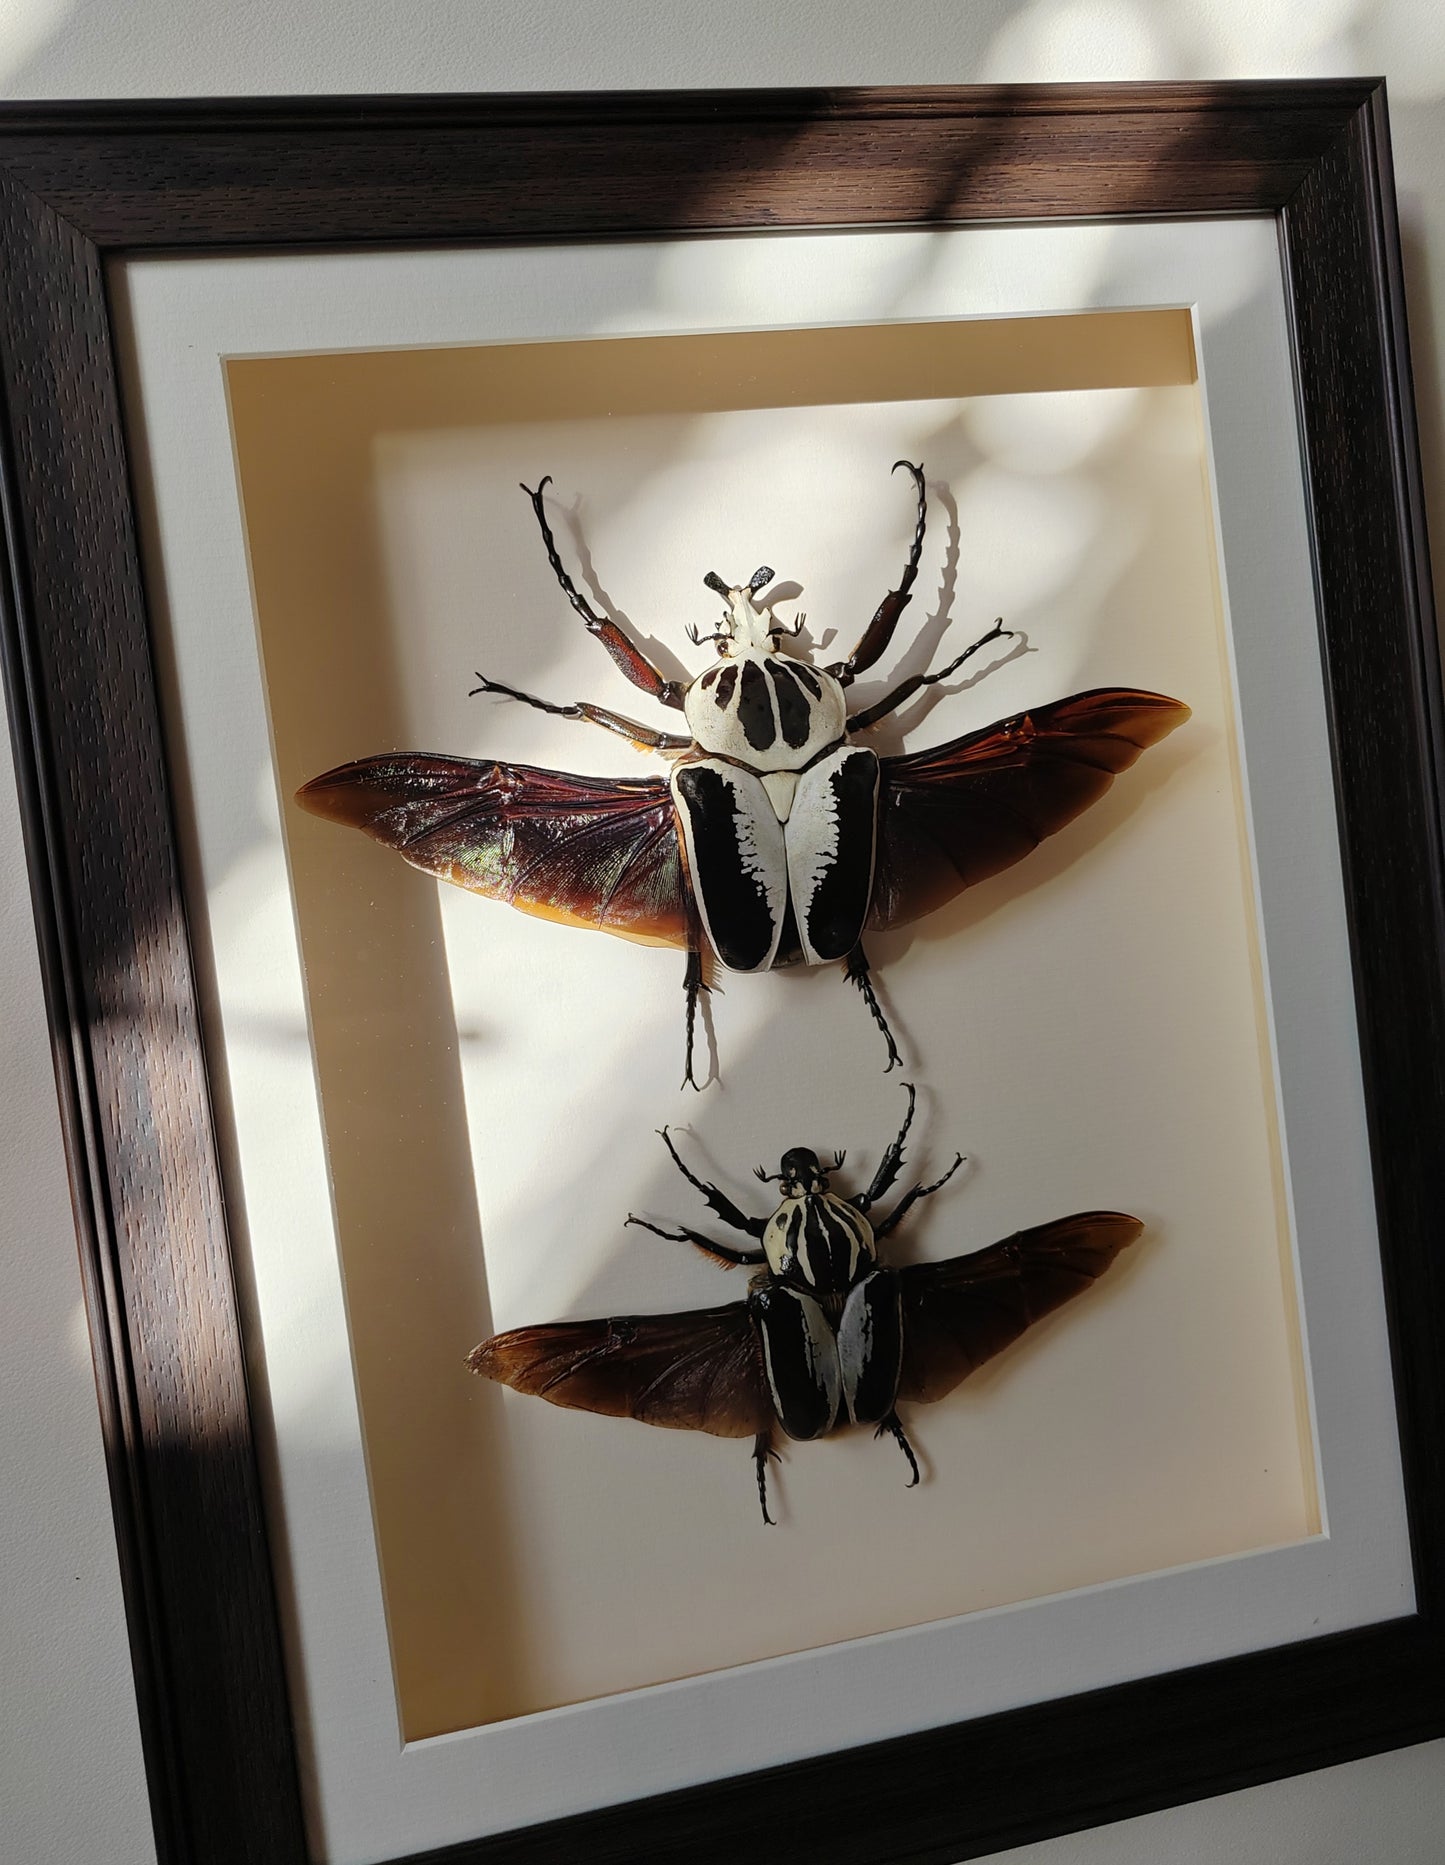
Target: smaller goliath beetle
828,1336
776,839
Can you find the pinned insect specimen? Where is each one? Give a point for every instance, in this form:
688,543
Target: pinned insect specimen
777,838
829,1335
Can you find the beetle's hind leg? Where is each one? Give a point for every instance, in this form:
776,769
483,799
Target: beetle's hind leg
762,1451
693,984
856,971
698,988
895,1430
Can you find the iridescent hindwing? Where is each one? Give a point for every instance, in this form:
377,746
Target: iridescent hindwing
961,1312
700,1370
966,810
589,851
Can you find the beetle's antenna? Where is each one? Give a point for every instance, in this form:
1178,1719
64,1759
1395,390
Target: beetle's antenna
697,637
780,628
760,578
713,581
768,1178
837,1165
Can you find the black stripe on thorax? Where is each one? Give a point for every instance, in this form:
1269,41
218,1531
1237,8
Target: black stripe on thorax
826,1248
795,714
755,707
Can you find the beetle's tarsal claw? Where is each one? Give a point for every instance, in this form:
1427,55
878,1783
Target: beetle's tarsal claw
895,1430
762,1451
856,971
692,985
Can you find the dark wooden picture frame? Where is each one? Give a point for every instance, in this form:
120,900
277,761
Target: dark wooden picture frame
81,185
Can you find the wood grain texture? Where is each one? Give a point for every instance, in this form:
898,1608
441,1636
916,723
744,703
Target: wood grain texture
79,184
132,1073
1372,574
389,169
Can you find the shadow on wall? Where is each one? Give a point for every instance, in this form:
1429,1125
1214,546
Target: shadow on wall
72,48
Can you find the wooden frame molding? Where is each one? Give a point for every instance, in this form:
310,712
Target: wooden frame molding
84,184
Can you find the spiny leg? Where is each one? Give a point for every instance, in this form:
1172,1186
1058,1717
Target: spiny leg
693,984
891,1162
870,715
643,736
909,1199
762,1451
856,972
625,653
879,631
719,1200
895,1430
719,1252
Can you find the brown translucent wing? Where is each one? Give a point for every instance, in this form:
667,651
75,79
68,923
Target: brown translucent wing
966,810
590,851
696,1371
961,1312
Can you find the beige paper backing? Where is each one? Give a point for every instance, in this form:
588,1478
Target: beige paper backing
1090,1028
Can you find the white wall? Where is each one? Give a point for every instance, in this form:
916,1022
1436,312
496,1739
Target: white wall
70,1778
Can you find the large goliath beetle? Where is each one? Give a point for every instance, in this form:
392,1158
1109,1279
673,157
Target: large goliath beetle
777,838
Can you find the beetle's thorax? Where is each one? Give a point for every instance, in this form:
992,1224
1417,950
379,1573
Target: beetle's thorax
818,1241
769,711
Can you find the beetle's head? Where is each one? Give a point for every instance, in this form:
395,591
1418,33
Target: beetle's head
744,625
801,1171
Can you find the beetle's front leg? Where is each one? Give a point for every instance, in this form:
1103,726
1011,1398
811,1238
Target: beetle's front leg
891,1163
628,657
643,736
870,715
910,1198
719,1252
855,970
879,631
694,984
719,1200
